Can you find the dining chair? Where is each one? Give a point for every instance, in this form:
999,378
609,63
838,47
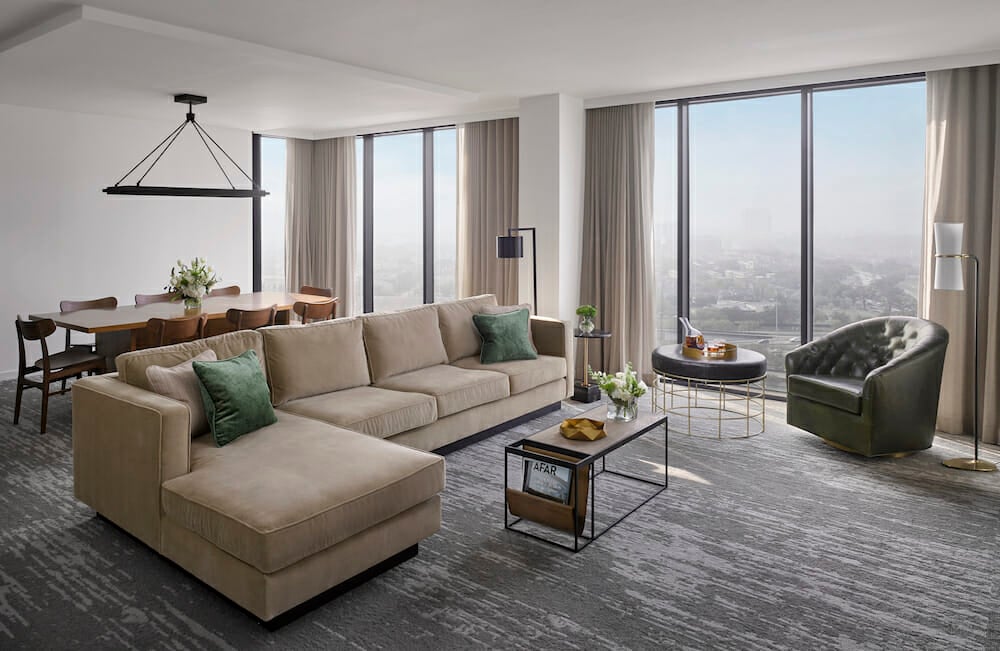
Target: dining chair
106,303
316,291
148,299
54,367
231,290
316,311
251,319
174,331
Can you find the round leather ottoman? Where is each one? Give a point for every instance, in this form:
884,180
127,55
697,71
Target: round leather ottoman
748,365
679,378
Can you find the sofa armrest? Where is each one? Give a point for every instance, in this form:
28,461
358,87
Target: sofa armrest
555,337
126,442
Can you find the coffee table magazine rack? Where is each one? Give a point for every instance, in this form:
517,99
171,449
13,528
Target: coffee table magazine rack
589,468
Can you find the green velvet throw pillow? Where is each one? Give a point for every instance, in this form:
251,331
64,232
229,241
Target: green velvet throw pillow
236,397
505,336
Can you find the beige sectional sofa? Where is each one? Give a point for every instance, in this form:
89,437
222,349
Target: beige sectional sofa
342,483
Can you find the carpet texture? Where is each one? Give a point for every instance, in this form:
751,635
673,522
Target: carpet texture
776,542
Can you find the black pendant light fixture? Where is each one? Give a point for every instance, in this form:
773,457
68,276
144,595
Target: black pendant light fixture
170,191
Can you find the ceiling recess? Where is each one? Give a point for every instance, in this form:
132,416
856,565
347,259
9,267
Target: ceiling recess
171,191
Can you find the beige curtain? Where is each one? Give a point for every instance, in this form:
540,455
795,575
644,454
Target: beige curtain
963,185
617,269
321,217
487,207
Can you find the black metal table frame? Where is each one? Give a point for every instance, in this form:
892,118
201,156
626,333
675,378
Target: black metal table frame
590,461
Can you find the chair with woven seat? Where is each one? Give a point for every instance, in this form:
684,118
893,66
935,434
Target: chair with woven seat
231,290
870,387
106,303
174,331
251,319
54,367
316,311
149,299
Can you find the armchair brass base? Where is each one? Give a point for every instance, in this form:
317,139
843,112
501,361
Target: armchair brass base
970,464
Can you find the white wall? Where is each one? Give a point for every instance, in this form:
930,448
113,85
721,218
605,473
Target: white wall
550,160
64,238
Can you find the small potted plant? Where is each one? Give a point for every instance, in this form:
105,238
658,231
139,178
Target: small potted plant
586,314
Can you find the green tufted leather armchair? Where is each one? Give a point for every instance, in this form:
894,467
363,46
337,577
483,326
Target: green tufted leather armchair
870,387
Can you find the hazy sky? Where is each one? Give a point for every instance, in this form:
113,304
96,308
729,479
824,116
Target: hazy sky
745,177
745,169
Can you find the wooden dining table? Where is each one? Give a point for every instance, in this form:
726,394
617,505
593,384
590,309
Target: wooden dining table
115,329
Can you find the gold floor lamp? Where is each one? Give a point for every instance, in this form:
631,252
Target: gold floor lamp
948,274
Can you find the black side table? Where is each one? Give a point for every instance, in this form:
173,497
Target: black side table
584,391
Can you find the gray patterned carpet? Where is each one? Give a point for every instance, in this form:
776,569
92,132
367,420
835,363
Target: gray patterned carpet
777,542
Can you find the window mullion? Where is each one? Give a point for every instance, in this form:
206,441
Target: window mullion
428,215
368,225
807,195
683,216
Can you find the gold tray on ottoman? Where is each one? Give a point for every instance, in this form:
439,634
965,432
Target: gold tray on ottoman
729,353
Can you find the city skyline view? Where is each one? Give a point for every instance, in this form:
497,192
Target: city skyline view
745,158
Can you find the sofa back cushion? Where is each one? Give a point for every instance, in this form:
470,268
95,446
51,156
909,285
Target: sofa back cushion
132,366
399,342
461,339
307,360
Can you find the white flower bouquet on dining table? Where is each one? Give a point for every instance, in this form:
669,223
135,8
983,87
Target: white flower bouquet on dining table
191,282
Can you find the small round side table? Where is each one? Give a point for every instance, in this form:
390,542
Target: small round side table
679,378
584,391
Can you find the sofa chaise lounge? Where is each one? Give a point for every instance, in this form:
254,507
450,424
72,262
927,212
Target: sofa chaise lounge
342,483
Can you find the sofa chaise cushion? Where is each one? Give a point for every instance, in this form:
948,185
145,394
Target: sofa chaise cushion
455,389
400,342
524,374
370,410
844,393
292,489
309,360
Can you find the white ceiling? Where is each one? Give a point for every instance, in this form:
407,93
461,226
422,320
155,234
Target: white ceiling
316,66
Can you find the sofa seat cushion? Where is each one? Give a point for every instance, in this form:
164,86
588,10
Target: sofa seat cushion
834,391
404,341
524,374
370,410
313,359
455,389
292,489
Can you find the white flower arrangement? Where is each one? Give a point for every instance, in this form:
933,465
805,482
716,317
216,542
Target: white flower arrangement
192,282
622,387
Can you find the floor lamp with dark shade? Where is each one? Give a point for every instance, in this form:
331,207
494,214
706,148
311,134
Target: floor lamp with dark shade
512,246
949,275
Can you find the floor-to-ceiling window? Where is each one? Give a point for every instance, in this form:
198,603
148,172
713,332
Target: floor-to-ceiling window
445,214
409,229
745,223
272,215
665,224
869,171
755,175
397,210
406,218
